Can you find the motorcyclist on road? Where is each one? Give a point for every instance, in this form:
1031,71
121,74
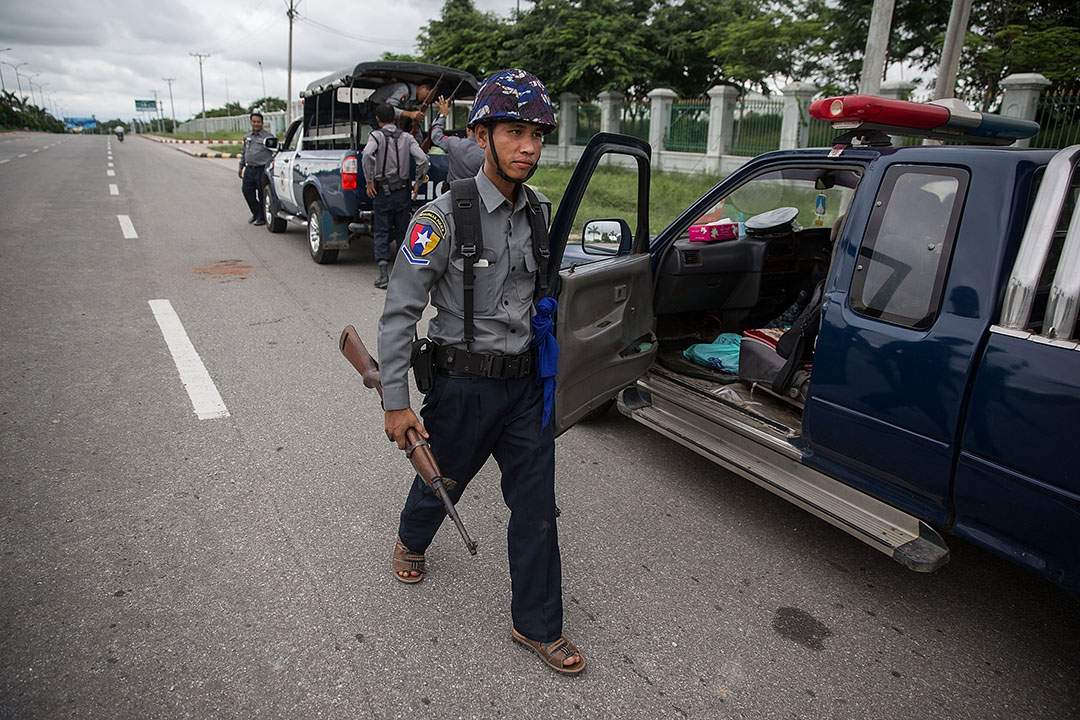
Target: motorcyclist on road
119,130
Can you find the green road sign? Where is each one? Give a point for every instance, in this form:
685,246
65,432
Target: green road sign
146,105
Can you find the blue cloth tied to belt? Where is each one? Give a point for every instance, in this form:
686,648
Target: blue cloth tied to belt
547,352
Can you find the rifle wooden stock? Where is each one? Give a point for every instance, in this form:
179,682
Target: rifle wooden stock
417,449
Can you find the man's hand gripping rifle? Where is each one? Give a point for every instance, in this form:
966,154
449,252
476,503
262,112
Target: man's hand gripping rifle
418,451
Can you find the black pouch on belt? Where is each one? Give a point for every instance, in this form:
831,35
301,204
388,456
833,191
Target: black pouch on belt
422,359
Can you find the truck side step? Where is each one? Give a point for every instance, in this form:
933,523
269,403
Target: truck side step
292,218
730,441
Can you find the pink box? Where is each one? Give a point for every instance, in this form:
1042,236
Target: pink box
720,230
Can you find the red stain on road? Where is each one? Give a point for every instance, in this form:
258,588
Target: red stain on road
227,270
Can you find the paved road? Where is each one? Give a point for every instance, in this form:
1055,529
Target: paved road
159,564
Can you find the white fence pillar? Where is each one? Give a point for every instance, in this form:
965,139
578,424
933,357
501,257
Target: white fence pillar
795,131
611,111
721,121
1021,98
659,119
568,118
897,89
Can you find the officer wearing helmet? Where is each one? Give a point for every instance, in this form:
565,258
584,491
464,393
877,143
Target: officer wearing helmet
486,371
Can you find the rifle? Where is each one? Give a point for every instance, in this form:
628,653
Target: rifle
418,451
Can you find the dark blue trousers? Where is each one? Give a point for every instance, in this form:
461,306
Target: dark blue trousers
390,217
469,420
252,189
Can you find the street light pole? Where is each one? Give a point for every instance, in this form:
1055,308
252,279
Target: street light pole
263,78
200,57
157,111
288,93
30,82
16,69
172,106
2,86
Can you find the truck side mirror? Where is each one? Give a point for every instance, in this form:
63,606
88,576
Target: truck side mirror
608,236
271,143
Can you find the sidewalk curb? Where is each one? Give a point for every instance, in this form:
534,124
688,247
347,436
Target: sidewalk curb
192,151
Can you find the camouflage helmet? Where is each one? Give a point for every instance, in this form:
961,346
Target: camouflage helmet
513,94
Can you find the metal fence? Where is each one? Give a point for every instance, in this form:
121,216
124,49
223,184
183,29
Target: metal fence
757,126
689,128
1058,115
634,120
588,122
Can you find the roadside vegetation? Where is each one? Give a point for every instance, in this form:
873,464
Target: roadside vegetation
18,114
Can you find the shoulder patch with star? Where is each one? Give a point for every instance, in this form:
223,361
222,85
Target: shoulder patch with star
428,230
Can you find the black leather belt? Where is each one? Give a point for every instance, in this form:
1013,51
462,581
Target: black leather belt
496,367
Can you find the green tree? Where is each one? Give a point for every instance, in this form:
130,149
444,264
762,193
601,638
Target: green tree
267,104
585,46
464,38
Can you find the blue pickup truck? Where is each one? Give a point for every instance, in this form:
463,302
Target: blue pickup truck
315,179
936,374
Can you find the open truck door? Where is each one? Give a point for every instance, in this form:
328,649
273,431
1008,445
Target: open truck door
604,324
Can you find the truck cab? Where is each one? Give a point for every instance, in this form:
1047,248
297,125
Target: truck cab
941,284
315,179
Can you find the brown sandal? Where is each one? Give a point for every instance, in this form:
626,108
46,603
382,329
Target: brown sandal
554,653
407,561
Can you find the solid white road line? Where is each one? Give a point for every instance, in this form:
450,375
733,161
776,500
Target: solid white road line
127,227
205,398
113,189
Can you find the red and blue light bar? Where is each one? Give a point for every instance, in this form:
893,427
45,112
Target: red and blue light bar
947,119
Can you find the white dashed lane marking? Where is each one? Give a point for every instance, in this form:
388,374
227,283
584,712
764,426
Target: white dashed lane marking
113,189
127,227
110,173
205,398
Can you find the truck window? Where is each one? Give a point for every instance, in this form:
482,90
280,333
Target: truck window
327,122
905,253
1053,256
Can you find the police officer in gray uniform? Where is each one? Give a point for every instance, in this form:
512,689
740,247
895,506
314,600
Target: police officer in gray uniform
466,157
486,399
385,161
253,159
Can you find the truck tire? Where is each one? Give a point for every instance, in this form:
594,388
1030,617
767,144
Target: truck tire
316,219
270,210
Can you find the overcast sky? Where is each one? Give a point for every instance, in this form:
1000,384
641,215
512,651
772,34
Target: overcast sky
97,57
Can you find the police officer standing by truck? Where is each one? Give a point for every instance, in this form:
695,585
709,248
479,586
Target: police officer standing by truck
253,159
385,161
480,253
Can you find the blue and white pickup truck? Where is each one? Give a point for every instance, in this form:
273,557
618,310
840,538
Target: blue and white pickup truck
315,179
943,388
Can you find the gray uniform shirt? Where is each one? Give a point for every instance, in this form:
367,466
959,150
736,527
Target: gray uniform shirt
381,163
398,95
255,152
503,298
466,157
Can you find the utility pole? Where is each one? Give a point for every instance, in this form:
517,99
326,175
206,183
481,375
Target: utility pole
200,57
945,85
172,105
157,111
263,78
877,46
288,92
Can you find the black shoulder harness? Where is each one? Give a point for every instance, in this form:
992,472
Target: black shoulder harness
469,239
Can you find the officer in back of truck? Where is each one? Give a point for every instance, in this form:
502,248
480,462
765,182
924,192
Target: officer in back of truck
253,159
466,157
480,253
405,98
385,161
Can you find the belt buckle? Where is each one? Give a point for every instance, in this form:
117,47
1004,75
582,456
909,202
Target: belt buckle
496,367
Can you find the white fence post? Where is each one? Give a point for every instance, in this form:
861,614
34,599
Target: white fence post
1021,98
795,131
611,111
659,119
721,123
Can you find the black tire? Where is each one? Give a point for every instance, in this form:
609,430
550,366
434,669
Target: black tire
316,219
270,210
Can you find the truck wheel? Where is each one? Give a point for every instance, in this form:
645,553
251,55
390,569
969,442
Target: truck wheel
270,210
316,217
